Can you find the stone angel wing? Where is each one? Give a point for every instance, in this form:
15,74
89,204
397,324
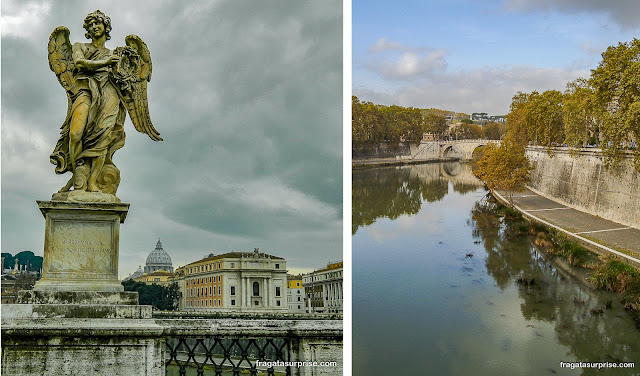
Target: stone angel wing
60,57
131,75
61,63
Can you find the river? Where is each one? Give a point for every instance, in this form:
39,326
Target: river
437,286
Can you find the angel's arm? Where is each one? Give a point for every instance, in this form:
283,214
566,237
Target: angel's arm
91,65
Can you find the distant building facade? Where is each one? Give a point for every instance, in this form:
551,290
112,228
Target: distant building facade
136,274
234,281
295,294
14,280
159,277
483,117
323,289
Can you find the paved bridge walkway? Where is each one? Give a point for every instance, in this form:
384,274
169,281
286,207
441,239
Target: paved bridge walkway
601,234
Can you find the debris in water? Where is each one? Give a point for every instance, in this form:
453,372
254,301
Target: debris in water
523,281
469,255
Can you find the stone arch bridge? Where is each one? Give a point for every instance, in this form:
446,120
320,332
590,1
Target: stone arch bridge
459,149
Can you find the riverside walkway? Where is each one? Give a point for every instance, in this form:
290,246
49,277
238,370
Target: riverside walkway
597,233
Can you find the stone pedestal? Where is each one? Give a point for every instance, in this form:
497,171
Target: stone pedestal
81,246
78,320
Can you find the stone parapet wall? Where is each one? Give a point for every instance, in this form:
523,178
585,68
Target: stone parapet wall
82,346
381,151
107,346
580,180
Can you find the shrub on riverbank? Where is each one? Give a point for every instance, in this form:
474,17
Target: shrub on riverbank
609,273
509,213
557,245
615,275
576,254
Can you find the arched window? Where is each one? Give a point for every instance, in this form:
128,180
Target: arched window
256,289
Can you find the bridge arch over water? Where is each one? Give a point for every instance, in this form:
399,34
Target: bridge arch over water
459,149
462,149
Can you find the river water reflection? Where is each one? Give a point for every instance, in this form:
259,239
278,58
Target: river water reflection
436,291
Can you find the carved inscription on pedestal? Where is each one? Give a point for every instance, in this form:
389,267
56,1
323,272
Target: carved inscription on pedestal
82,248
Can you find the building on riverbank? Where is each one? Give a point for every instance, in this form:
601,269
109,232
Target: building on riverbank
295,294
323,289
234,281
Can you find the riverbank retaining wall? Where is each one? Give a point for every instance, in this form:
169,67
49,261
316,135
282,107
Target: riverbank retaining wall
580,180
383,152
380,151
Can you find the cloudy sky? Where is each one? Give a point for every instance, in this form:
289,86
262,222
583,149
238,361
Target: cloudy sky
248,98
473,56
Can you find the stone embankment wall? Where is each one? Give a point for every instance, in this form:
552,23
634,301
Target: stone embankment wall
582,182
404,152
416,153
380,151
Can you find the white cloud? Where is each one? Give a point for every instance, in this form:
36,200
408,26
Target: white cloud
478,90
382,45
394,61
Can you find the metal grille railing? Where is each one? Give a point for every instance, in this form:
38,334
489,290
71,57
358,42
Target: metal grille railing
214,355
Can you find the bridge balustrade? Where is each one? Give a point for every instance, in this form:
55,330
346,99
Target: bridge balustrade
173,344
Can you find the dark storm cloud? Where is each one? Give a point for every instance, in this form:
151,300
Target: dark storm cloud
623,12
246,95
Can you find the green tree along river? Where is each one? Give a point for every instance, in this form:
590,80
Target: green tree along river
438,286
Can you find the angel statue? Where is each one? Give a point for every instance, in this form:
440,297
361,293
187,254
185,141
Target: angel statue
101,85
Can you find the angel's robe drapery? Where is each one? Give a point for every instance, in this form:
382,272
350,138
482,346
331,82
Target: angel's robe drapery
103,134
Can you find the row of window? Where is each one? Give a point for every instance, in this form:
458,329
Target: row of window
213,266
205,303
322,277
217,303
205,268
191,282
202,291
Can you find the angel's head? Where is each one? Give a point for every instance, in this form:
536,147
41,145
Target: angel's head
100,17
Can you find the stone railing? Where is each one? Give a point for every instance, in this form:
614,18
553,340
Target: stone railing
474,141
39,344
231,346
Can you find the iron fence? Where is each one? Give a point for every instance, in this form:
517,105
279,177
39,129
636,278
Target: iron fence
217,355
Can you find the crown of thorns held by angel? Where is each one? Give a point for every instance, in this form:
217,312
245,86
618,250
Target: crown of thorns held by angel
102,86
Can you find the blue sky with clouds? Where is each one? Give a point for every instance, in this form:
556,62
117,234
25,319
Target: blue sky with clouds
473,56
